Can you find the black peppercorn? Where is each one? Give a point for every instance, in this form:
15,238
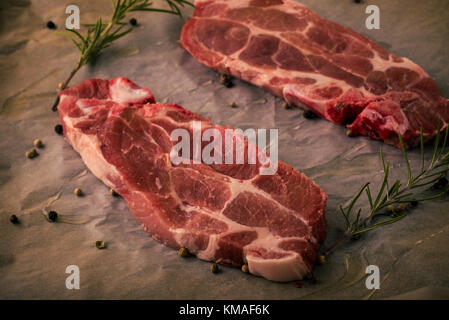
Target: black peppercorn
414,204
226,80
51,25
133,22
309,114
14,219
52,216
58,129
440,183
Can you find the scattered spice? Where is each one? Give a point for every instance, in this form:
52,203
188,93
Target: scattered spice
390,208
58,129
30,154
183,252
309,114
414,204
245,268
214,268
233,105
358,1
226,80
298,284
78,192
440,184
51,25
113,193
100,244
285,105
311,278
38,143
52,216
60,85
133,21
349,133
401,207
322,259
14,220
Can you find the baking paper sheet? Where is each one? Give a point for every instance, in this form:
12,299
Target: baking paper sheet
412,254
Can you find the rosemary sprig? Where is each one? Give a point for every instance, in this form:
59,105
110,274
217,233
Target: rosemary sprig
399,192
100,35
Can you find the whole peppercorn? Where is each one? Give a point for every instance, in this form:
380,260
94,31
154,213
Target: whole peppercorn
225,80
245,268
38,143
214,268
349,133
30,154
78,192
401,207
100,244
133,21
440,183
58,129
113,193
51,25
285,105
233,105
52,216
308,114
183,252
14,220
414,204
322,259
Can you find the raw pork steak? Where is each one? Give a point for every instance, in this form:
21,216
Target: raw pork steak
224,213
337,73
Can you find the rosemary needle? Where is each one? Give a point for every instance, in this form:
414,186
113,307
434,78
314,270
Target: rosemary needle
100,35
399,193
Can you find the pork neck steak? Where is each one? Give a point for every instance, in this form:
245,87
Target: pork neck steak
224,213
316,64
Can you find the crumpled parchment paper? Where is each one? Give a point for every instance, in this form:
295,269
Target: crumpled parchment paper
412,254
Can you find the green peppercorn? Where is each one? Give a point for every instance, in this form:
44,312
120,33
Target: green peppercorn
30,154
14,220
52,216
245,268
58,129
183,252
214,268
100,244
321,259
